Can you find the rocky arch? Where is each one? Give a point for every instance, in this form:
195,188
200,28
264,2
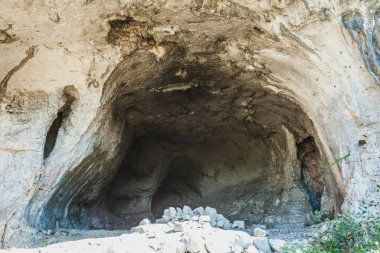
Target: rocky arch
186,131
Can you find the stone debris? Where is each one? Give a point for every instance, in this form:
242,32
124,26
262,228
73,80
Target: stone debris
200,214
182,230
204,230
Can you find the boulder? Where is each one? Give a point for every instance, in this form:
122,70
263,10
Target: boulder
259,232
252,249
196,244
239,224
261,243
277,244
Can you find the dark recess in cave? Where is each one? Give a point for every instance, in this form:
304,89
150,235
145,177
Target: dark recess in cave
69,94
311,171
51,136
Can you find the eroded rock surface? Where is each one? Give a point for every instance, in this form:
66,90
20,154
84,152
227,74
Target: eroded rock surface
111,111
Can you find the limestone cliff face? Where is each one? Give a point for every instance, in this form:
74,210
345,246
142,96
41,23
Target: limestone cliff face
112,110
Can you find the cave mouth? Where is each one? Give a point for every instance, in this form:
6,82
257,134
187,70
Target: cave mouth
198,135
196,148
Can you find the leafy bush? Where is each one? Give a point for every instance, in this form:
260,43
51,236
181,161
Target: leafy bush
350,232
318,217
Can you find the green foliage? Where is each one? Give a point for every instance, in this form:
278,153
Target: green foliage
350,232
318,217
330,165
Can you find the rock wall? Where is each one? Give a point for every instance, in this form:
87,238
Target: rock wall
81,81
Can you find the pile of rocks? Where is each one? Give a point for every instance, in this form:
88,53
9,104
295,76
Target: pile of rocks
208,215
180,230
203,230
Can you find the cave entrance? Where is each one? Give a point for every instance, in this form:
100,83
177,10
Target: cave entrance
193,135
190,147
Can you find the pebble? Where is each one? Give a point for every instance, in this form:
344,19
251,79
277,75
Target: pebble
259,232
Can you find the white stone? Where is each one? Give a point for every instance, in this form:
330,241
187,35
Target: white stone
259,232
187,209
184,226
204,218
252,249
220,223
173,246
277,244
239,224
205,225
145,221
218,242
220,217
166,218
172,213
241,242
195,218
261,243
181,246
196,244
227,225
237,249
140,229
199,211
211,212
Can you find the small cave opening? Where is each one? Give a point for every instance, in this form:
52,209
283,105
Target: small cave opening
69,96
196,139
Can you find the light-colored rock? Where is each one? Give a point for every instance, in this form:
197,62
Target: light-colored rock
237,249
252,249
217,243
239,224
204,218
227,225
211,212
145,221
174,247
259,232
262,244
187,209
196,244
199,211
140,229
220,223
277,244
172,213
195,218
